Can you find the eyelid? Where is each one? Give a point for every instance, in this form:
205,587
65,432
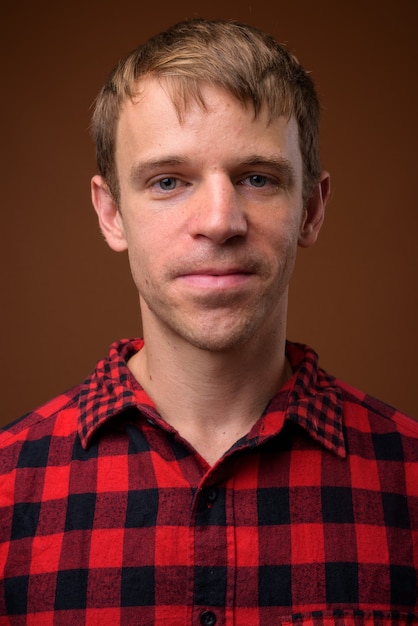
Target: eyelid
269,179
159,177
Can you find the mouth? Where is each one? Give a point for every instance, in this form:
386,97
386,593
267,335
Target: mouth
216,278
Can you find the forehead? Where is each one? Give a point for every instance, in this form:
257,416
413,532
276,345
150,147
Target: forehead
151,122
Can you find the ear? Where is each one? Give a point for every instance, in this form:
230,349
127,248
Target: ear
314,212
110,219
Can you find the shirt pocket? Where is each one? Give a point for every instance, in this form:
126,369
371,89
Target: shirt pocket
352,618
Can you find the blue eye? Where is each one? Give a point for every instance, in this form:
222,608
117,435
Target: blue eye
167,184
256,180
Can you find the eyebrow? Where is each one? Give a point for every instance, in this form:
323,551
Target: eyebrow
140,169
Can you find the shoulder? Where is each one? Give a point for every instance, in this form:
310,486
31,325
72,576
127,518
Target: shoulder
360,407
379,432
31,434
43,418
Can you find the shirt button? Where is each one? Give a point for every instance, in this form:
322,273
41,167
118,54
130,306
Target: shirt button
211,495
208,618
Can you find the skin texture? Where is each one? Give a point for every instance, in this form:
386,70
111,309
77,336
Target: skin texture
211,214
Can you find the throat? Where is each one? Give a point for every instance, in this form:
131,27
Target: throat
211,402
212,425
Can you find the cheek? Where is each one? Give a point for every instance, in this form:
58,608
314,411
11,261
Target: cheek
282,250
148,260
139,255
280,236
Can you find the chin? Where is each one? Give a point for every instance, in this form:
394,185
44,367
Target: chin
221,340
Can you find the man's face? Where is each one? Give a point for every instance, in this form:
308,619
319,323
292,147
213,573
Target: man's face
211,213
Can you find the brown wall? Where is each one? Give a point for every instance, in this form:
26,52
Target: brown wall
66,296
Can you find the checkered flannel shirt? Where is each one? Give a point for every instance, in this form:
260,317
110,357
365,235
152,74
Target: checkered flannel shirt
108,517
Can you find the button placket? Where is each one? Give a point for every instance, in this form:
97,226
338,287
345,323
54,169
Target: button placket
210,555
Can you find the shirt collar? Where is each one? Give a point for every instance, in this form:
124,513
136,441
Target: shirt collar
310,398
315,400
109,391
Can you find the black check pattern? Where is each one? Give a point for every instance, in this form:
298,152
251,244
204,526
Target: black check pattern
108,517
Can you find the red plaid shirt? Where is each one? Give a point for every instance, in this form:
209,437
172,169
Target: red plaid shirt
108,517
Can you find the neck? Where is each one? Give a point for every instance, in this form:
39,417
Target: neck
211,398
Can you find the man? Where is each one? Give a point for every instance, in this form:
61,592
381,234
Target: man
210,473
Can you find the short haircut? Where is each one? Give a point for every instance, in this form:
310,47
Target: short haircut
246,62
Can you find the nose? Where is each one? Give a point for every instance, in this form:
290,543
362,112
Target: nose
218,212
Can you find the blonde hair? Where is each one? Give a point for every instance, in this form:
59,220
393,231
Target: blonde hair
246,62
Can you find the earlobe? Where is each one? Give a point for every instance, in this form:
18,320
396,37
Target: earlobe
110,220
314,212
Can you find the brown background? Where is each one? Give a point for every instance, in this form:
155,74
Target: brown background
66,297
